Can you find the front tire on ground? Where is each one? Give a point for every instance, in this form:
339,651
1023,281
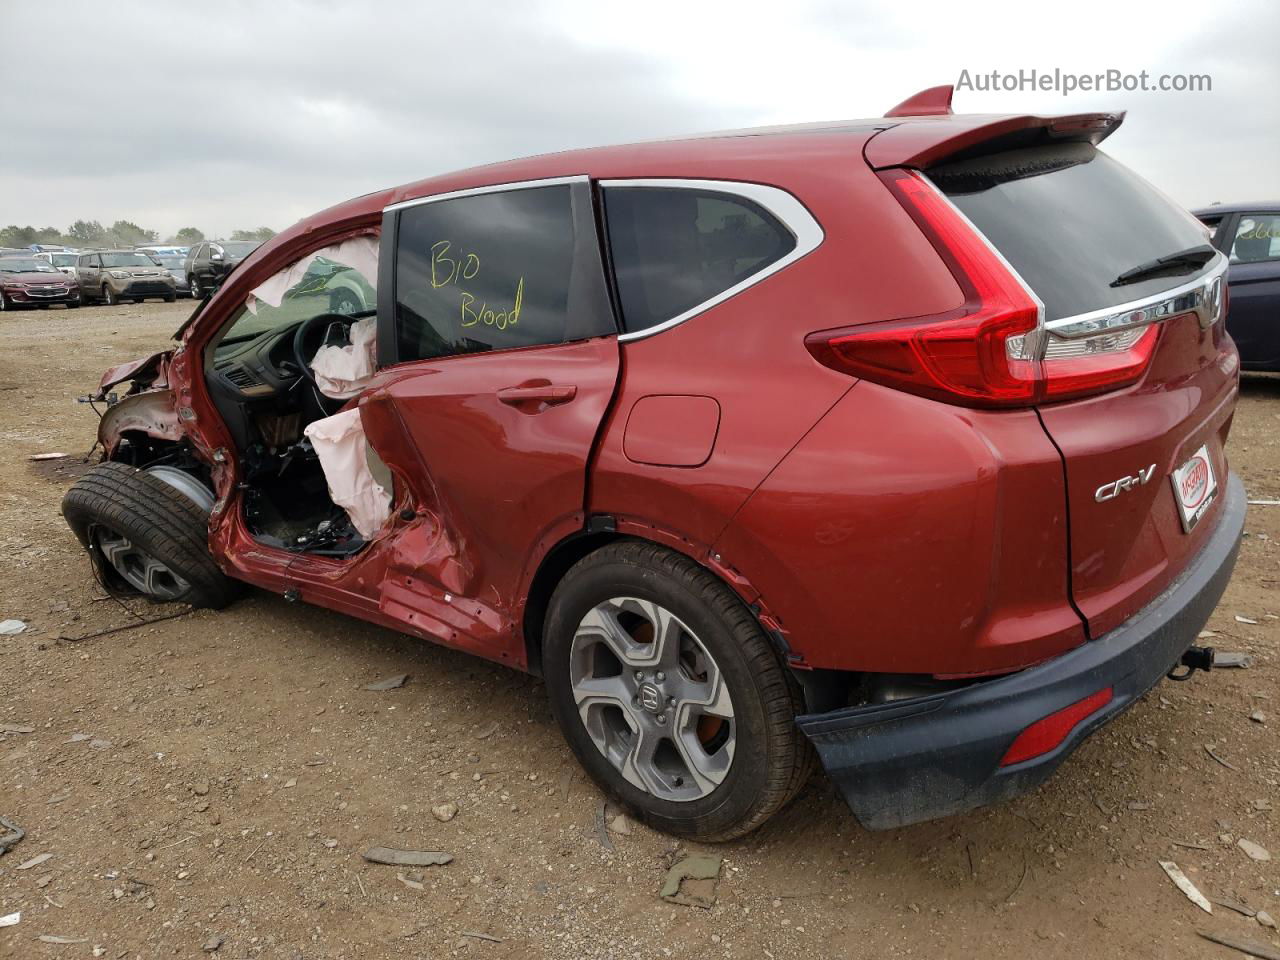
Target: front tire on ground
109,297
193,282
146,537
670,693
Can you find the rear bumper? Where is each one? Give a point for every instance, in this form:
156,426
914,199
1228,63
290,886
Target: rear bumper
911,760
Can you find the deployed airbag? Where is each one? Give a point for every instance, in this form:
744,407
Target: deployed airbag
342,372
340,444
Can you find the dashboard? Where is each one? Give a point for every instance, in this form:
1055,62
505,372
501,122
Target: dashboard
259,367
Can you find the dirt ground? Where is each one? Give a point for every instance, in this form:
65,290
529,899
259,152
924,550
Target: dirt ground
232,768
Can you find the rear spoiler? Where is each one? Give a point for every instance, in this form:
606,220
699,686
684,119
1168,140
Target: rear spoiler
930,133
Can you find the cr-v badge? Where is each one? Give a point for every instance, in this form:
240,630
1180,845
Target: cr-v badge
1109,491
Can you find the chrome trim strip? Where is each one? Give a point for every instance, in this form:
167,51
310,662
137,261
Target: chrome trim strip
1201,296
492,188
790,211
1030,345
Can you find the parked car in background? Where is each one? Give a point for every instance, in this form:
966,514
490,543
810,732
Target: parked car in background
175,264
1249,234
32,282
62,260
210,261
163,250
895,443
113,276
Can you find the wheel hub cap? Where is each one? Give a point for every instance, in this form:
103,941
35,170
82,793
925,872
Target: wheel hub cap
652,699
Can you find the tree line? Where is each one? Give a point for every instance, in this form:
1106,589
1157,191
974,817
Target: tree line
122,233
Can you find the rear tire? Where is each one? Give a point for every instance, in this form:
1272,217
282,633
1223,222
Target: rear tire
194,283
721,709
171,298
145,537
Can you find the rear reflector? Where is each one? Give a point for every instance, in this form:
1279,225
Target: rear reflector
1048,733
993,350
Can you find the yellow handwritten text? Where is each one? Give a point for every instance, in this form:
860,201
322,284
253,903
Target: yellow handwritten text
446,270
501,319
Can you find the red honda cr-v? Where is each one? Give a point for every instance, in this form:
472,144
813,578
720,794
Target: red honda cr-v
898,442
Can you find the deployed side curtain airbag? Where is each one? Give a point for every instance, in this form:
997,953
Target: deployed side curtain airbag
340,444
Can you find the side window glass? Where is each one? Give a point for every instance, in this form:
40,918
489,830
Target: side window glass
1257,238
675,248
495,271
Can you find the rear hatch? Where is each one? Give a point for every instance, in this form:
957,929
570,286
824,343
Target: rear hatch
1139,377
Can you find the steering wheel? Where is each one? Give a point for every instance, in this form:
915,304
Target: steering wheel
315,332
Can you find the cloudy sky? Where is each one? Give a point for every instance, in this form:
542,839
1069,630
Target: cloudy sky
237,114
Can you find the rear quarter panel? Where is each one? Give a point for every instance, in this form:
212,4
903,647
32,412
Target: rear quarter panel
903,535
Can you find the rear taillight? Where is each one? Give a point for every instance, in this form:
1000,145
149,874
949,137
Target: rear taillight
993,350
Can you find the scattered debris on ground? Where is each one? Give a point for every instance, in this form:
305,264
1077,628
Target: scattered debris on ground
1208,748
1250,947
407,858
11,628
1186,886
692,882
620,825
11,836
444,812
393,682
1253,850
1230,659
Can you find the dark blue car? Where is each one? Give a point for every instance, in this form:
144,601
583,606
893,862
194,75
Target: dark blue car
1249,233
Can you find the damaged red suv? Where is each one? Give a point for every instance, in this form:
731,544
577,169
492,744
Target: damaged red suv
895,444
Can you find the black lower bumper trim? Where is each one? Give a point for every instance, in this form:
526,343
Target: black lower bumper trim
911,760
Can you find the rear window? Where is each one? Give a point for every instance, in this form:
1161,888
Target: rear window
1070,220
675,248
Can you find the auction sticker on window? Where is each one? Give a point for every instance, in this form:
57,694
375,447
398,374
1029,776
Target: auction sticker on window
1194,487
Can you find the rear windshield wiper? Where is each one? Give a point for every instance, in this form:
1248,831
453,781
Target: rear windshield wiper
1191,257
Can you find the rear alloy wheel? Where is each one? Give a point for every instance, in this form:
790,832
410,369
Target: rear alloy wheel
194,283
671,695
146,536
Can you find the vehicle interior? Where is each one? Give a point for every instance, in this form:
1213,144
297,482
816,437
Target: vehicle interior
260,377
